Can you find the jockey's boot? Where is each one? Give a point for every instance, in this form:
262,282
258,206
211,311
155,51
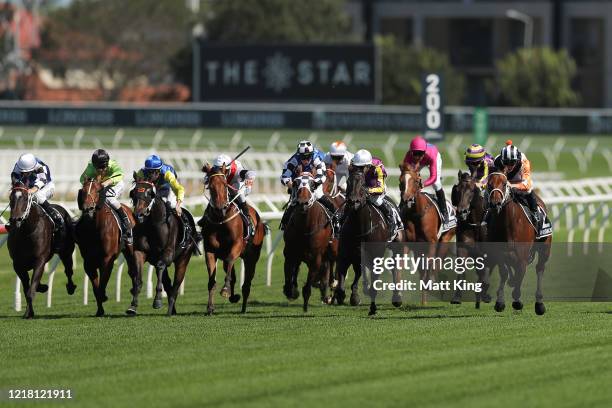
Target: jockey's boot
329,205
442,205
399,224
59,224
387,209
244,209
533,207
126,226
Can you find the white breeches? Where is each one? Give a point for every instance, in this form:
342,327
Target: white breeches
113,194
45,193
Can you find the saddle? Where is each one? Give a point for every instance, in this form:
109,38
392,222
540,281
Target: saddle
452,215
545,229
57,237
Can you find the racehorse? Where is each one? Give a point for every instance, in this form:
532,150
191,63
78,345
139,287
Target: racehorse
508,223
157,240
335,193
363,223
98,235
470,206
30,243
421,220
307,239
223,233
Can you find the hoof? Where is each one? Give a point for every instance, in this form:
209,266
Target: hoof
28,315
295,293
100,313
477,305
372,310
42,288
540,309
327,300
455,302
131,311
340,296
499,307
486,297
517,305
157,304
210,311
70,288
234,298
225,292
355,300
397,303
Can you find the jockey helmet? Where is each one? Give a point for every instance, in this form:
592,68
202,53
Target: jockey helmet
153,162
305,149
362,158
474,154
418,144
337,149
510,154
100,159
222,159
26,163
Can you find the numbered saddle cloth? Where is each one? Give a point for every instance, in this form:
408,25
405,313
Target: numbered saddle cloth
450,210
545,229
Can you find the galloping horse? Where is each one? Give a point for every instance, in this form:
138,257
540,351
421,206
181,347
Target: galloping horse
421,219
335,193
223,239
508,223
307,239
363,223
99,238
470,206
157,239
30,243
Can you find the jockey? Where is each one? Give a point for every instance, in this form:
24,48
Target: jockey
166,181
339,154
241,180
112,181
479,162
422,154
375,175
517,169
309,160
35,175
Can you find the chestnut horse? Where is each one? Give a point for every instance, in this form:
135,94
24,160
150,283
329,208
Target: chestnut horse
467,198
508,223
307,238
99,238
421,220
331,188
157,241
30,242
222,230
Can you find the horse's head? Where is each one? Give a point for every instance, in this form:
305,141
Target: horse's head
20,202
356,189
498,190
218,187
464,193
304,186
330,179
143,197
90,196
410,184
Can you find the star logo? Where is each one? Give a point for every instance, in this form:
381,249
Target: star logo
278,72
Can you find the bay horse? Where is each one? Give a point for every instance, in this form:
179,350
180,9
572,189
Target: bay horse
337,196
363,224
98,236
307,237
470,205
508,223
30,243
157,240
223,233
421,220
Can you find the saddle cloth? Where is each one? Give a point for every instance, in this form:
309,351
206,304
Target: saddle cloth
452,216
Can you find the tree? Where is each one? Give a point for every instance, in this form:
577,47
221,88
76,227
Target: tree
536,77
274,21
403,68
116,41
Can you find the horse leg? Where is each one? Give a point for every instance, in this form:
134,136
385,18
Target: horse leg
228,266
342,266
135,260
234,297
325,274
396,299
456,299
91,269
500,303
518,282
160,266
211,266
355,300
180,267
66,258
22,273
314,266
540,309
250,261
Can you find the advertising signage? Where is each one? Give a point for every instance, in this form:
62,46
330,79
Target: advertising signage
308,73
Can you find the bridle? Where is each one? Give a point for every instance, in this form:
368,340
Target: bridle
228,187
305,183
406,179
505,193
147,210
335,191
30,198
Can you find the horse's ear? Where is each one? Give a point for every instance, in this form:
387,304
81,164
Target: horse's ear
206,168
223,168
298,170
459,174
